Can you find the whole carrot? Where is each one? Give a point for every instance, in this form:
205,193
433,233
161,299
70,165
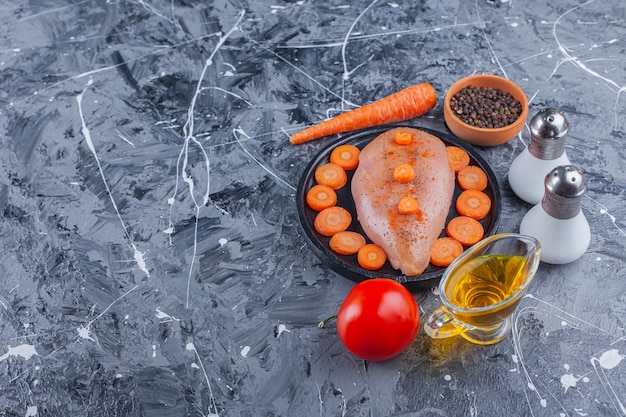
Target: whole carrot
406,104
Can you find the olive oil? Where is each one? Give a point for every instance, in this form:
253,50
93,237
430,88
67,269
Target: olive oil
482,288
486,280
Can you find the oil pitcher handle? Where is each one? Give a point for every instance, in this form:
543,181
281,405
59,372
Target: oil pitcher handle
441,324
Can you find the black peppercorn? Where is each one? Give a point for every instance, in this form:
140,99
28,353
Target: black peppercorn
485,107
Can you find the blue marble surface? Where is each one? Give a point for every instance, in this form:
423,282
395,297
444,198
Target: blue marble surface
152,259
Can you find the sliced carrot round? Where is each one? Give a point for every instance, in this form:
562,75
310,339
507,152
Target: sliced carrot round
331,175
371,257
404,173
458,158
473,203
346,156
444,251
332,220
466,230
346,242
320,197
472,178
403,138
408,205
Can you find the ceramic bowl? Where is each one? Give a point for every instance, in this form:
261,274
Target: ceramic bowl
485,136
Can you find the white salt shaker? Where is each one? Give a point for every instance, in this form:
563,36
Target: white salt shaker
558,221
545,151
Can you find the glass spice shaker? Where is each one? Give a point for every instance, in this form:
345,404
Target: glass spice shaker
558,221
545,151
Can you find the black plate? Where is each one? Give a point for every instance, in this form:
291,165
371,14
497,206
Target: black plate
347,265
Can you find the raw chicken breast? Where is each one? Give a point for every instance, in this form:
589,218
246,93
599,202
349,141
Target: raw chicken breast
406,238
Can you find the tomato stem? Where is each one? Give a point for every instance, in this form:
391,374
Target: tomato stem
322,323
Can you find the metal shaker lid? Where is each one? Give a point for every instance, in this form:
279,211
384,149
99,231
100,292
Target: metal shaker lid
547,134
564,189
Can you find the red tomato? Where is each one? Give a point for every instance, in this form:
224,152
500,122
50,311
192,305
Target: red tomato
378,319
